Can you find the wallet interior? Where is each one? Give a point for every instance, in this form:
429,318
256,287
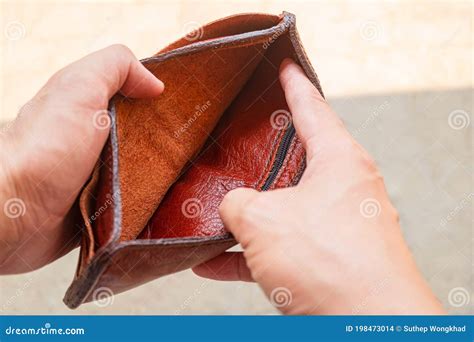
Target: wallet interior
213,129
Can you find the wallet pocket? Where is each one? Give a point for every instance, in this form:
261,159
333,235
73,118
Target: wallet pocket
151,206
252,146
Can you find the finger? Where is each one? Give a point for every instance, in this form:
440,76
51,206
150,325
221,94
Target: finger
229,266
103,73
233,208
141,82
315,122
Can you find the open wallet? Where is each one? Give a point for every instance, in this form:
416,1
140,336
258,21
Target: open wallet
150,207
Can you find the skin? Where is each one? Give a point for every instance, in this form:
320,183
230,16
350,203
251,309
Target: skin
49,152
315,243
317,248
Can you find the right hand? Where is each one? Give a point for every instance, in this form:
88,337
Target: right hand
333,243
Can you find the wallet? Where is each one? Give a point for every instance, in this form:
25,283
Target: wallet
150,207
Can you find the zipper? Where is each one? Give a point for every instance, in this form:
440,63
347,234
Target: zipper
280,157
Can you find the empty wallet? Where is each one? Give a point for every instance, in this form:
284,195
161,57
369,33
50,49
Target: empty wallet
150,207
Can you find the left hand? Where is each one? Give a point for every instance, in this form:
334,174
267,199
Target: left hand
49,152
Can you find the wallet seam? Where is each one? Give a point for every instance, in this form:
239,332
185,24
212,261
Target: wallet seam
85,284
248,38
242,39
94,269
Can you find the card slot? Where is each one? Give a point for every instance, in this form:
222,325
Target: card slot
241,152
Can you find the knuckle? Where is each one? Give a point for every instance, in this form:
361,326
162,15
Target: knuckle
120,48
249,210
240,206
66,78
307,95
367,162
341,150
314,96
393,213
396,215
351,151
120,52
289,84
349,156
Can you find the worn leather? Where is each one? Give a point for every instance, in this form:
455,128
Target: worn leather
151,205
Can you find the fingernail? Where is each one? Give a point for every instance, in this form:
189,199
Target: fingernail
161,85
287,61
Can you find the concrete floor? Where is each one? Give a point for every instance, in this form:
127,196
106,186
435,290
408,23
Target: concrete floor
395,71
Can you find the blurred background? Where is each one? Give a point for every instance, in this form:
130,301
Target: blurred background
398,72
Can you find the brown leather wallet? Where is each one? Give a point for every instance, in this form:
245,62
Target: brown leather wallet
151,205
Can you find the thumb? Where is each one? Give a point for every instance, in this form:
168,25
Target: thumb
101,74
234,210
317,125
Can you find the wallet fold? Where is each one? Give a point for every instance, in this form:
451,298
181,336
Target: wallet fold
150,207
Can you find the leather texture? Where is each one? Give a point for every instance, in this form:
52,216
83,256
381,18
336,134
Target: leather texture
151,205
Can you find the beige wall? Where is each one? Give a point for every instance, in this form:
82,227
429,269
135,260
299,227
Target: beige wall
394,70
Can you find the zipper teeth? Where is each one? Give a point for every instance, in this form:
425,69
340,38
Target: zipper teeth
280,157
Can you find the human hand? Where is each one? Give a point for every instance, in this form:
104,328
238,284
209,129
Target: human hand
49,151
332,244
